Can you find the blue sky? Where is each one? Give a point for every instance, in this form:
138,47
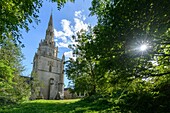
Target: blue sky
70,19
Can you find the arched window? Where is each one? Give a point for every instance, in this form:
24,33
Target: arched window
50,68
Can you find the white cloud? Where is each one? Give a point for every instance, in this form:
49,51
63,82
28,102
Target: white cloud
58,34
79,15
69,54
69,29
61,44
66,27
79,24
64,39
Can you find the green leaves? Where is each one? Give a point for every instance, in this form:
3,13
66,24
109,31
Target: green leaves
60,3
124,23
16,15
111,58
13,88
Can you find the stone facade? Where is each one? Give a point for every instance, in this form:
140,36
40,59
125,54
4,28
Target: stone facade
48,68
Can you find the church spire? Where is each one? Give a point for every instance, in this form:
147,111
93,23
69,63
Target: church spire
50,23
50,31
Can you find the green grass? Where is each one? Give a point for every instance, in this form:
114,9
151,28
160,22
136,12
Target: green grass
55,106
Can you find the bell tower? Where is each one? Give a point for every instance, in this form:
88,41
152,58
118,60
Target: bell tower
48,68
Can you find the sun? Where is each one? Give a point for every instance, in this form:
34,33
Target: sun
143,47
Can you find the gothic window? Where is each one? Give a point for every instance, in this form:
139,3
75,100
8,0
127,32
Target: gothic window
50,64
50,68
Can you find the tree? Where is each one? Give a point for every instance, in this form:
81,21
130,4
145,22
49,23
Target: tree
5,81
13,87
85,71
61,3
17,15
81,70
130,73
124,25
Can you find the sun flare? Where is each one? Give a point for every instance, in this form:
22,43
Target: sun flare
143,47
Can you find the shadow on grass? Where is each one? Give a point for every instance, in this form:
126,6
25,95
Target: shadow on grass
45,106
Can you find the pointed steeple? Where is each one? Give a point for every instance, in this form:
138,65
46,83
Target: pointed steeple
50,23
63,57
50,31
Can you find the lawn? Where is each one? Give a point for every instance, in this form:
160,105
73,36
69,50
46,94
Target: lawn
54,106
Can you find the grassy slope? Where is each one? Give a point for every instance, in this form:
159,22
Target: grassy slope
54,106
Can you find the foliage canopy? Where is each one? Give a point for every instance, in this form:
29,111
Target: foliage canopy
121,71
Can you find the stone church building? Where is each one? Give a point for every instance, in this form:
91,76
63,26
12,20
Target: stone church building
48,69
